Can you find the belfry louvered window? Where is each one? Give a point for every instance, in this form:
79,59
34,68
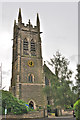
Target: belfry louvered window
32,45
25,46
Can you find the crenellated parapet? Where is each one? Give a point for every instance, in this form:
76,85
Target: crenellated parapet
28,27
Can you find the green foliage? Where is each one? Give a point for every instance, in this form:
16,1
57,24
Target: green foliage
77,77
68,107
13,105
59,90
60,65
49,108
77,109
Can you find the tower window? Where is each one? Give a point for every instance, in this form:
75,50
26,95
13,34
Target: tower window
31,78
32,45
25,46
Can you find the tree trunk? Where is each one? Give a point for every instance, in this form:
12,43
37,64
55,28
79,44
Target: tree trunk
60,111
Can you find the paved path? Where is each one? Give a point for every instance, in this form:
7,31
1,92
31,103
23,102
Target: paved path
56,118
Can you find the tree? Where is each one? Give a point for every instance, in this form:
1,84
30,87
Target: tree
60,65
77,77
13,105
60,85
77,109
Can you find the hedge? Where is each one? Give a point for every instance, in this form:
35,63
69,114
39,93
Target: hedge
77,109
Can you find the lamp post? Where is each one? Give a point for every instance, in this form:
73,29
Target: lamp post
5,112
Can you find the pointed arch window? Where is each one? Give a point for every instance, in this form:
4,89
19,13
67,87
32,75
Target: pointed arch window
25,46
33,45
31,78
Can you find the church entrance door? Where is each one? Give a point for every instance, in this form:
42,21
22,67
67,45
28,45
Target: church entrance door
31,105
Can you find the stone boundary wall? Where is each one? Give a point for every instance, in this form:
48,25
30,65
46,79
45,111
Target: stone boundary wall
32,114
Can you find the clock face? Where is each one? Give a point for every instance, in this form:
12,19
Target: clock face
30,63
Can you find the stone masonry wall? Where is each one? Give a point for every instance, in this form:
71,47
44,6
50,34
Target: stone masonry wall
34,93
35,114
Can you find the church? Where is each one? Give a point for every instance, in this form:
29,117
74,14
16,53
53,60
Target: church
28,79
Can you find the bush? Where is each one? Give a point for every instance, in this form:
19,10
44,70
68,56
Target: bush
77,109
13,105
49,108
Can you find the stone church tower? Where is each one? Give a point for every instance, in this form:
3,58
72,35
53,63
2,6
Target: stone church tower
27,81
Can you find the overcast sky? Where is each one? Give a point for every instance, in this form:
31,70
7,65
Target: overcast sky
59,24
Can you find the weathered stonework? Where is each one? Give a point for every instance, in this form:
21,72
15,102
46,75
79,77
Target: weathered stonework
27,69
35,114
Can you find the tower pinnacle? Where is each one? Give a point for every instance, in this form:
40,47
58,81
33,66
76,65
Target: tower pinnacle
19,16
38,22
14,22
